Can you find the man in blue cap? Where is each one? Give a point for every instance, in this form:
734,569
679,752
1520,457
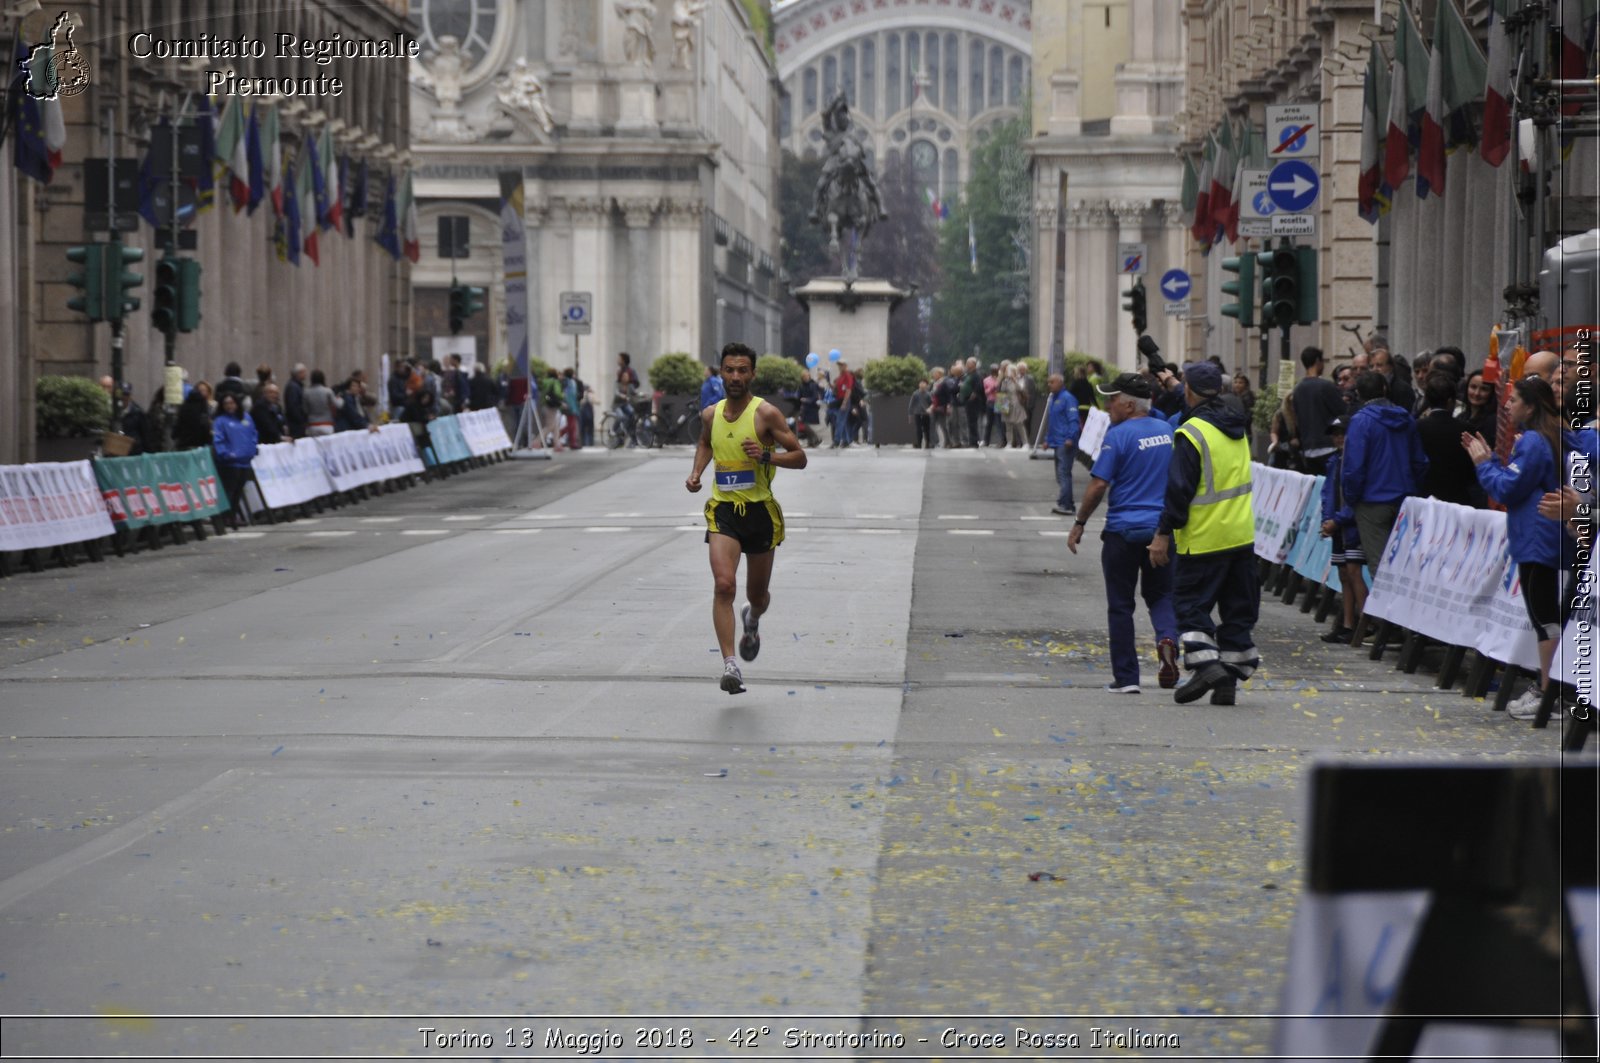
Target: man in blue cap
1209,516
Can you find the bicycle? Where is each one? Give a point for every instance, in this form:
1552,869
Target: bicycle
682,428
621,426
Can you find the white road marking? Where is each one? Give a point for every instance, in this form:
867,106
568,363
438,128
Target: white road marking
1053,516
604,528
959,516
878,531
518,531
247,535
1054,534
970,531
381,520
478,516
426,531
329,534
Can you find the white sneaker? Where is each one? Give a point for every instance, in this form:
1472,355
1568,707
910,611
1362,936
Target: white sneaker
1131,688
1527,706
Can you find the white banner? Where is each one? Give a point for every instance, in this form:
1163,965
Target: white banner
484,432
1447,573
50,504
291,473
514,259
354,459
1278,498
1093,435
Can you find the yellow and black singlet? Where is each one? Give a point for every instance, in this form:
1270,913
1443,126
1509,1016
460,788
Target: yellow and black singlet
737,477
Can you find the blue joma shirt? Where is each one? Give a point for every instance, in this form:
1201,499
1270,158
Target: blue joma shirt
1133,460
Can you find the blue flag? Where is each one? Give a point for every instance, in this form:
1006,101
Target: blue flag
32,155
319,186
287,236
388,236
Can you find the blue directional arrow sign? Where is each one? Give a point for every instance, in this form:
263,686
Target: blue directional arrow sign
1293,185
1175,285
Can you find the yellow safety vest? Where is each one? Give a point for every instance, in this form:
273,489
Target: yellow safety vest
736,477
1220,517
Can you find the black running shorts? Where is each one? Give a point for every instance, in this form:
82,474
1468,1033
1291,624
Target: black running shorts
759,528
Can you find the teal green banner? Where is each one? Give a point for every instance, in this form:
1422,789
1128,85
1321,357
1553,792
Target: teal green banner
160,488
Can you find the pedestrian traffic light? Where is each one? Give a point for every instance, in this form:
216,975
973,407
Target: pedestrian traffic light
90,281
1135,305
188,294
1243,290
164,315
121,281
464,302
1280,286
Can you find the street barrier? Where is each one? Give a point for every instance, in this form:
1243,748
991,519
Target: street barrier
290,474
1311,555
152,489
484,432
50,504
1447,574
448,444
356,459
1280,499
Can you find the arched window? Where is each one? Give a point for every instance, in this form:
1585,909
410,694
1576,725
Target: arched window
891,163
952,74
785,116
975,79
1014,84
471,22
847,74
930,48
924,159
997,76
808,94
891,77
869,77
830,78
914,70
952,175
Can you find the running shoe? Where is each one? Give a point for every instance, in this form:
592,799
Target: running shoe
1527,706
750,645
732,678
1131,688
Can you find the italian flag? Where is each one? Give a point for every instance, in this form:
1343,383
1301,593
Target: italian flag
410,240
231,152
335,193
1497,93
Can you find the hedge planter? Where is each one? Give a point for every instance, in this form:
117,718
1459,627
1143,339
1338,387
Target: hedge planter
66,448
890,428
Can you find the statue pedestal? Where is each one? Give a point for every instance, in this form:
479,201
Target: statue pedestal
637,104
854,317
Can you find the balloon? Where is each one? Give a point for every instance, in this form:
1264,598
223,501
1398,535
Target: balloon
834,355
812,360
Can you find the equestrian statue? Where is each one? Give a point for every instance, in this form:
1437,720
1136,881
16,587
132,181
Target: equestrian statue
847,195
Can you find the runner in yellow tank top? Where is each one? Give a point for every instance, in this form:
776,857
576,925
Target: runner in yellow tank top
739,433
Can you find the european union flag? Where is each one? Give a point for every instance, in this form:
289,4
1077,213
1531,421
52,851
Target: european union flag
32,156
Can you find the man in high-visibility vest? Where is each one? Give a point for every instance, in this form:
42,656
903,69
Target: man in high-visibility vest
1212,527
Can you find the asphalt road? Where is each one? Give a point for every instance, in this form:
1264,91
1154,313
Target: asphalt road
456,758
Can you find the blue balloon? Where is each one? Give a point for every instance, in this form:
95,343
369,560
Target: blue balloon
812,360
834,355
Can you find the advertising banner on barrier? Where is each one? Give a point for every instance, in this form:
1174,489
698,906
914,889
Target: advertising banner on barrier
1278,497
1311,556
354,459
1447,573
291,474
448,444
160,488
484,432
50,504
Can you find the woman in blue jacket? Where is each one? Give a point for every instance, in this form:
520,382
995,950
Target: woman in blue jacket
234,441
1534,540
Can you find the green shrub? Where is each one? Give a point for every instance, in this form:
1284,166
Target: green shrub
775,374
70,406
677,374
1039,371
539,368
894,375
1267,406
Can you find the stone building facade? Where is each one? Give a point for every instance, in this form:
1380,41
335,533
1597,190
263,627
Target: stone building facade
340,316
645,136
1108,78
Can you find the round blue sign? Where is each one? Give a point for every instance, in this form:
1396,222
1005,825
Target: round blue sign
1175,285
1293,185
1263,204
1293,140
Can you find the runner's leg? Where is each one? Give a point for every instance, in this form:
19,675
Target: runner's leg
725,584
757,578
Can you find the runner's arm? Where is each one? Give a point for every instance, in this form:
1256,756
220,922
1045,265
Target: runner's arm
793,455
702,449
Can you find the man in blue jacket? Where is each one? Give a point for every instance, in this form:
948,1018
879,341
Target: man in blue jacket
711,389
1062,434
1383,463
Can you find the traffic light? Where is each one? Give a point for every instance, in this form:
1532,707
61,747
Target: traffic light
1280,286
1243,290
164,315
121,281
188,294
1307,310
90,281
464,302
1135,305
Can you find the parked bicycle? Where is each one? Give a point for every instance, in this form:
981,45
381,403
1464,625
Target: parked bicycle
682,426
622,425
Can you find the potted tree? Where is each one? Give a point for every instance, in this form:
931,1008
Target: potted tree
676,378
890,383
72,414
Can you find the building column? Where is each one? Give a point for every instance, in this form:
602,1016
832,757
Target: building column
642,275
1130,216
535,211
1046,292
